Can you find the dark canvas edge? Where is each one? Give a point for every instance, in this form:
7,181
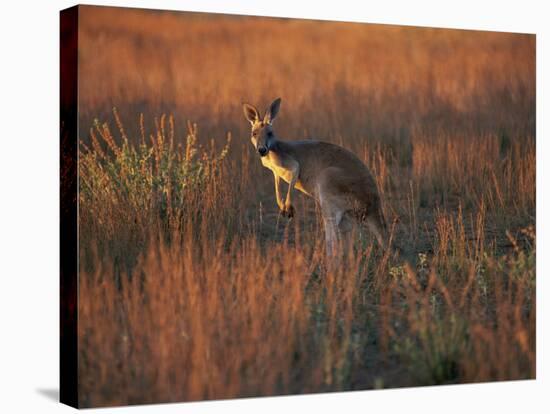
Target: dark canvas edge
68,112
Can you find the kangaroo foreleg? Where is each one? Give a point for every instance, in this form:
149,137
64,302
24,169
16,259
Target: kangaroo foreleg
288,208
280,201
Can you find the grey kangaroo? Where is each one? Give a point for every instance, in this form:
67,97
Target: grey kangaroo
338,180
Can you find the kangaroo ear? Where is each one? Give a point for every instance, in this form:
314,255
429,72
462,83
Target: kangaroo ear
250,113
273,110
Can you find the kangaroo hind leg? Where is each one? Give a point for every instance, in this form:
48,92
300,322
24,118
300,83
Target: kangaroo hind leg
332,217
333,209
377,225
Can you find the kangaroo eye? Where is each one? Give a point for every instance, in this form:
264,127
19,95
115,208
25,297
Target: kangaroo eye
270,134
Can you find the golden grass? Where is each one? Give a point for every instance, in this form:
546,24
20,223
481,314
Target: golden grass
192,287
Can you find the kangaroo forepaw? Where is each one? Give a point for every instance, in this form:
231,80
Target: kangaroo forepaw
287,211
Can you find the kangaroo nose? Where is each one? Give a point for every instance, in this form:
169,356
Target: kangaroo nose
262,151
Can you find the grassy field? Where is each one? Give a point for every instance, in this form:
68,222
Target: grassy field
192,287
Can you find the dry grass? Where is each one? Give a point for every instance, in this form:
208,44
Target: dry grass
192,287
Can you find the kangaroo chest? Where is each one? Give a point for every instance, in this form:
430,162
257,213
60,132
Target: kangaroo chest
273,162
278,169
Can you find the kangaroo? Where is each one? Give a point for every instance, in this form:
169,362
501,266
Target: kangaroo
336,178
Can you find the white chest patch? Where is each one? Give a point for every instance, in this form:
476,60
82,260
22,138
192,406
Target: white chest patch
270,162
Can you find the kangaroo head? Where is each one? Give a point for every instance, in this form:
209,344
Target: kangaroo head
262,136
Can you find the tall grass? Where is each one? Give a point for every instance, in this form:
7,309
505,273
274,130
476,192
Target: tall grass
344,82
128,191
174,305
191,286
